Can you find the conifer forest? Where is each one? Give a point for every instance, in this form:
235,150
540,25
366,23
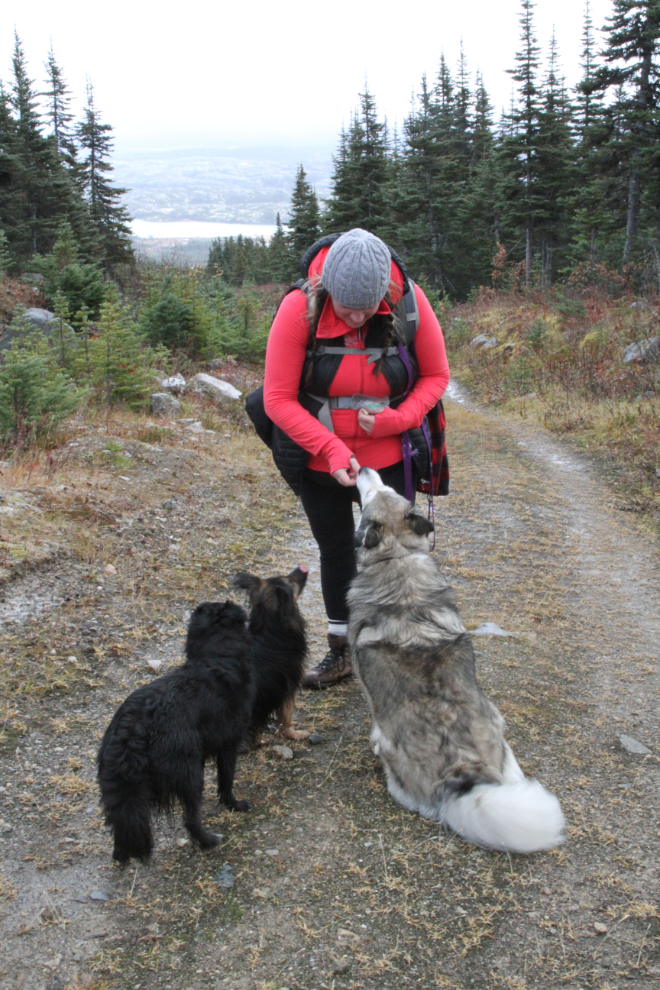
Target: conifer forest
564,181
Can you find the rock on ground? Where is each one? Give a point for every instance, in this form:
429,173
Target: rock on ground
175,383
220,391
483,342
36,319
164,404
643,351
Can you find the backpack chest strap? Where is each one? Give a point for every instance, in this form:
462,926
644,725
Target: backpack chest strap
354,402
374,353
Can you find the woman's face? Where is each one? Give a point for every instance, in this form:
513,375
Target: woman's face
355,318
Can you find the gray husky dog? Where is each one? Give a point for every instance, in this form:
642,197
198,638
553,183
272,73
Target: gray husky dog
440,739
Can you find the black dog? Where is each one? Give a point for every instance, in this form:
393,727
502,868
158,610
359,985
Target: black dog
154,750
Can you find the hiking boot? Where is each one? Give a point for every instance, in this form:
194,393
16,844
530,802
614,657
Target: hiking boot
334,667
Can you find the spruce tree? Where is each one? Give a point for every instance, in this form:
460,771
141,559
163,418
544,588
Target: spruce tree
121,362
631,70
415,223
340,208
519,193
555,168
80,282
109,216
304,223
38,175
36,395
37,193
5,259
589,100
281,263
59,113
439,195
360,173
589,214
477,211
371,163
11,198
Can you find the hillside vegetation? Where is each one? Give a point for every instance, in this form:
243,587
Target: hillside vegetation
557,358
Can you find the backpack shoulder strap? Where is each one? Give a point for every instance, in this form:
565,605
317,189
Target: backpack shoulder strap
409,311
311,252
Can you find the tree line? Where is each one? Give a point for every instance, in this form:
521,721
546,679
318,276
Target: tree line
566,182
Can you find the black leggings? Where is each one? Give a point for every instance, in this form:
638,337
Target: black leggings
329,509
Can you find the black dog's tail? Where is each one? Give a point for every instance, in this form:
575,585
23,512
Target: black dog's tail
124,778
129,819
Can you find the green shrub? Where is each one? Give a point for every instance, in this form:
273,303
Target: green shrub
36,395
181,316
536,334
81,284
170,322
246,335
5,260
119,362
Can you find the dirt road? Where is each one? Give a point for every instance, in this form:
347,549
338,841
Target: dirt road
328,884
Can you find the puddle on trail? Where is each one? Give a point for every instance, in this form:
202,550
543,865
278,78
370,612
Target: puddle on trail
456,393
24,600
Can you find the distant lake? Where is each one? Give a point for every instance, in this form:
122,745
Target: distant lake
199,228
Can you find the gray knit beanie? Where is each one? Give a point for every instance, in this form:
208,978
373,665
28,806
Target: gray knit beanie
356,271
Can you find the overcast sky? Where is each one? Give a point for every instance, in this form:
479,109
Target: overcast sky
247,71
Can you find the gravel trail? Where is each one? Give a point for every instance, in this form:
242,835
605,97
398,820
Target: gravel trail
326,883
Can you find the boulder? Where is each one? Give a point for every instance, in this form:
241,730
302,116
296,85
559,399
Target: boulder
164,404
176,383
36,319
221,392
483,342
643,351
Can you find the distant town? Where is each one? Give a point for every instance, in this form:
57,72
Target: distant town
248,185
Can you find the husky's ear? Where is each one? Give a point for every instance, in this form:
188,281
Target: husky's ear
419,524
249,582
373,536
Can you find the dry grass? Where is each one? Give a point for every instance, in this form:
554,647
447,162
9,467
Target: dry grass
14,294
558,363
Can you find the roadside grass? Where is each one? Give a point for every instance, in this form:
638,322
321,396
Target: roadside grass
558,363
96,503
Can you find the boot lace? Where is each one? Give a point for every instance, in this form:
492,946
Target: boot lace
335,658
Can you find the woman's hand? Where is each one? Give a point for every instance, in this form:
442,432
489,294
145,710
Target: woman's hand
366,420
347,477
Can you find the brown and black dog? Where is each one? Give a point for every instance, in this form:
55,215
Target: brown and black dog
278,648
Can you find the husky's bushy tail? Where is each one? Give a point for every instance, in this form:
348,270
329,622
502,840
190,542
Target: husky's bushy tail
520,817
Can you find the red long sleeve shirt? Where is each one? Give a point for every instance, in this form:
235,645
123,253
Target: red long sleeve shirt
285,355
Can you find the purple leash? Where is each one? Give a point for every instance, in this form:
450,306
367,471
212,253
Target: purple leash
406,446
